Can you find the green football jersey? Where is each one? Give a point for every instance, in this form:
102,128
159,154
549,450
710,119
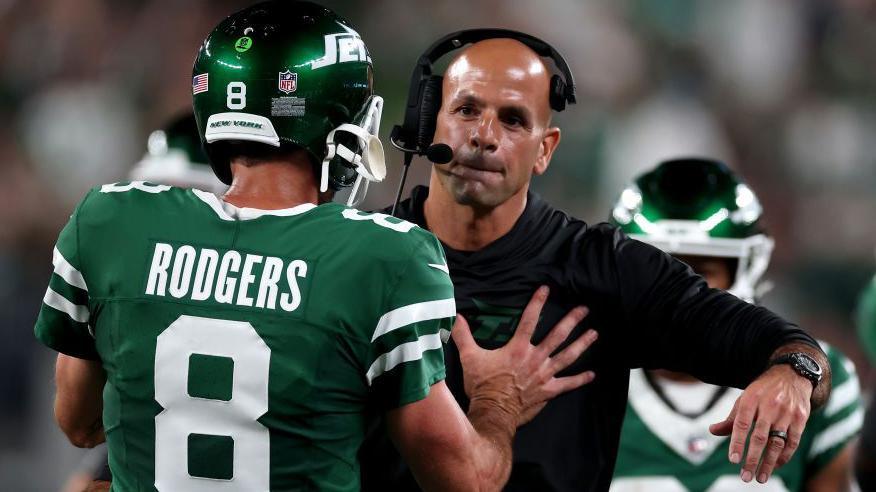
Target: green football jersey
664,451
243,347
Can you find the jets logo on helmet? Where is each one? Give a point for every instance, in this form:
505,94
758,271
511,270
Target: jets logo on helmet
341,48
295,47
698,207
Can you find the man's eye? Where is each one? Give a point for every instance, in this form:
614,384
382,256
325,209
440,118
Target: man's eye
465,110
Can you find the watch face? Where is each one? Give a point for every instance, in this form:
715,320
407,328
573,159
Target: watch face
807,363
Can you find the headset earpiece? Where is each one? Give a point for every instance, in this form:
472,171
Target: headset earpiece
558,93
430,104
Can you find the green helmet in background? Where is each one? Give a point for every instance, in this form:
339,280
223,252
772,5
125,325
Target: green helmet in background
866,319
698,207
293,74
174,156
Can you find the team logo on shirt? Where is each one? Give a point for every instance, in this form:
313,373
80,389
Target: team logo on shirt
492,323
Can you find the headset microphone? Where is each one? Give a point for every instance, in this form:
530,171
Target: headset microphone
439,153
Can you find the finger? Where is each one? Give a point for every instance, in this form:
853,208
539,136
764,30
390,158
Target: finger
756,444
725,427
741,425
795,433
558,386
529,318
775,446
461,334
571,353
560,332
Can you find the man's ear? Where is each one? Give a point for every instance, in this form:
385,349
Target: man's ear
549,143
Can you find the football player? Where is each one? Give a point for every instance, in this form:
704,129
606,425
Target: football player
700,212
236,343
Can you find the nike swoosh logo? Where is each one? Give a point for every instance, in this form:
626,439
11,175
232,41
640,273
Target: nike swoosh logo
443,267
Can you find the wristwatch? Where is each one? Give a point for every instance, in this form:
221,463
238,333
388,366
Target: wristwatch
803,364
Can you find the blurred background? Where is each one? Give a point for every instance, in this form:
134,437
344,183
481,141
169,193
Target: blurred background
782,90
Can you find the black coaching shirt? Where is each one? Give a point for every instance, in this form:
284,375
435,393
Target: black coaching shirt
650,310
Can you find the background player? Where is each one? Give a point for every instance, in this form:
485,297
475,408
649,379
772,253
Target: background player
237,343
664,445
175,157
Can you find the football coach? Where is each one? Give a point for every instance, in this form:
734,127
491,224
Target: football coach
491,118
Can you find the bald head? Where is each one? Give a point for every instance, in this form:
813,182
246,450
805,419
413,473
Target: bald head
507,63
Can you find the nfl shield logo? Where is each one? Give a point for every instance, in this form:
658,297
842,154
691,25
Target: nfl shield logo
288,81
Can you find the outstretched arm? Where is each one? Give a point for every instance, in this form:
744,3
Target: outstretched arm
678,323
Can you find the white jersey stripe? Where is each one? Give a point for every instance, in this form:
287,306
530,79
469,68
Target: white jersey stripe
66,271
414,313
211,200
842,396
134,185
78,313
227,211
837,433
405,352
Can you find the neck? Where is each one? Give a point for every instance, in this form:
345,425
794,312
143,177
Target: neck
467,228
272,184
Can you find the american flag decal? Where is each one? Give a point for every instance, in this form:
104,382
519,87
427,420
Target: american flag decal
199,83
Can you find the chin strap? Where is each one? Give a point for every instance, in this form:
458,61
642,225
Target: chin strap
370,164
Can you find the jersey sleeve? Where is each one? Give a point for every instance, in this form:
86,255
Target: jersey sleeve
63,322
834,426
406,355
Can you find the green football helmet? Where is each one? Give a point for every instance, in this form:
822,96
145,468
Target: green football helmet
174,156
698,207
291,73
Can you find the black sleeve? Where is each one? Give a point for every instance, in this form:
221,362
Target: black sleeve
673,320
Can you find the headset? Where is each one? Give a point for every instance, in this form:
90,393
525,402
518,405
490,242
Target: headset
414,136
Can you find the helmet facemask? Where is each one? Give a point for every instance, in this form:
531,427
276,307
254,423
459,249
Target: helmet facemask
355,154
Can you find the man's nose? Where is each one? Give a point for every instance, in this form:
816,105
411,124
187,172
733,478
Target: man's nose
484,135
